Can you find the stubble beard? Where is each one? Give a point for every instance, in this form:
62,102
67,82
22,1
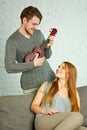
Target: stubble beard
27,32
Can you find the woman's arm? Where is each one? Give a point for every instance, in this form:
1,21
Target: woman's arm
35,106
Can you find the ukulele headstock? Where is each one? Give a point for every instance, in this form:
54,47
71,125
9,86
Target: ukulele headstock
53,31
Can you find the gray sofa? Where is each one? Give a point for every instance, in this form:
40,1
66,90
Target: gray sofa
16,115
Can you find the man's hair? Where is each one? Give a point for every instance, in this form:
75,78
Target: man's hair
29,12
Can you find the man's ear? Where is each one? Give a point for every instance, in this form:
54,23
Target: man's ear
25,20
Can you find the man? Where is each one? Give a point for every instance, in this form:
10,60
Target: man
21,43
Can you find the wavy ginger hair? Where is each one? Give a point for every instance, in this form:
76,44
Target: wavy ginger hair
70,85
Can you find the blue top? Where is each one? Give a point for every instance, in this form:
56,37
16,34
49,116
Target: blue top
59,103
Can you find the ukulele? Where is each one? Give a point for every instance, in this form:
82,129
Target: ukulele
39,49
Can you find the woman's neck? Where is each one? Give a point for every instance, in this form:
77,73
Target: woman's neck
61,83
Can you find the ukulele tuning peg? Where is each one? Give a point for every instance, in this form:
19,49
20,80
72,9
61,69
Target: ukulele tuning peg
51,29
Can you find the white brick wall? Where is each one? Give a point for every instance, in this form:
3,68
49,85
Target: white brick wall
69,17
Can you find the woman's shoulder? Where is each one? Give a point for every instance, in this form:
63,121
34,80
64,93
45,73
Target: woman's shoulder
45,86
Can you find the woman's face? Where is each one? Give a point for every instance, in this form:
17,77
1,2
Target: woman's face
61,71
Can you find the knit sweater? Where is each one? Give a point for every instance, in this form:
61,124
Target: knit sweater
17,47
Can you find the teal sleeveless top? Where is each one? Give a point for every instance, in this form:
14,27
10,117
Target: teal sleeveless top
59,103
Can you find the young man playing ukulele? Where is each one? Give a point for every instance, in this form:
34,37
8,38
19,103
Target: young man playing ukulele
21,43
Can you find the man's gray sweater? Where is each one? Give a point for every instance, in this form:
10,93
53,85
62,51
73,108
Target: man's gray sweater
17,47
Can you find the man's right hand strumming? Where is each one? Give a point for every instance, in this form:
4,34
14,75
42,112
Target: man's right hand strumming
38,61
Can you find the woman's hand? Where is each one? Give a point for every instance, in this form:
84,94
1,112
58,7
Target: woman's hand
50,112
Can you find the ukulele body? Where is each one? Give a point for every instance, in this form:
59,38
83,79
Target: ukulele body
39,49
31,56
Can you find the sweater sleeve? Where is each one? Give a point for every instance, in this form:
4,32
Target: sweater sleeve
11,64
48,52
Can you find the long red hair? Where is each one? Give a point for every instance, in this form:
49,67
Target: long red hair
70,85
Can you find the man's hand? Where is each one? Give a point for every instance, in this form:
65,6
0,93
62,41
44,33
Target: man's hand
51,37
38,61
51,41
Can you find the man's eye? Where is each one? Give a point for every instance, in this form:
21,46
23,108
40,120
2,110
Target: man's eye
34,24
59,66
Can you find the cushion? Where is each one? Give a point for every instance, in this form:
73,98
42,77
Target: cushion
83,99
15,113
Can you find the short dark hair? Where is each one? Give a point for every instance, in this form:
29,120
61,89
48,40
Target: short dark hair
29,12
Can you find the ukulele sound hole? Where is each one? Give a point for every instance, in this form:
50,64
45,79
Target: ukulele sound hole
38,53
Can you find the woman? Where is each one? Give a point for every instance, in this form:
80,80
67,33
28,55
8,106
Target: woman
57,104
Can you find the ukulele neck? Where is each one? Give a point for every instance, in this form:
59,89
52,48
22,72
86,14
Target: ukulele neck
43,46
53,32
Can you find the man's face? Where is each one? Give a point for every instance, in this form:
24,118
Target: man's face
31,25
